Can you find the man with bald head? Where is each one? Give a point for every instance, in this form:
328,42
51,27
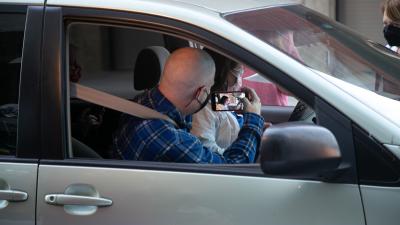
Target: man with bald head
183,90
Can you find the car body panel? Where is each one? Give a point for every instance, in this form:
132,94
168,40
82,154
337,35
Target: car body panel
386,107
17,172
236,5
381,204
21,177
171,9
24,2
162,197
207,5
394,148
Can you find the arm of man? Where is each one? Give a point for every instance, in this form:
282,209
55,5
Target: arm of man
157,140
249,138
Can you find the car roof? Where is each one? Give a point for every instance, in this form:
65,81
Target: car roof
225,6
30,2
216,6
207,15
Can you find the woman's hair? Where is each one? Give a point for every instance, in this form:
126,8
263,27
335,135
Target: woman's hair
392,8
222,67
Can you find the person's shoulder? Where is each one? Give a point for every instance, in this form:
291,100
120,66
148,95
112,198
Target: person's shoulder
205,112
156,126
208,110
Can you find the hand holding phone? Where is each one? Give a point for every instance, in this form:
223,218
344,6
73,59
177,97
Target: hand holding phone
252,102
245,100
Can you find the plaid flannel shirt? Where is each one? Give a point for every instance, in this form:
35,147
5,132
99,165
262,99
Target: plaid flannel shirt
159,140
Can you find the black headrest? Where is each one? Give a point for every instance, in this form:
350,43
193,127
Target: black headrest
149,66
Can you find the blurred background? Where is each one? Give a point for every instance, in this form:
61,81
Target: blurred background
364,16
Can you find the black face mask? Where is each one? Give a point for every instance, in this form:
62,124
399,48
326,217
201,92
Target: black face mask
203,104
392,35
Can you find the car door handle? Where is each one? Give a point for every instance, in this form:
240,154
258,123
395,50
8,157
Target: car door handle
13,196
63,199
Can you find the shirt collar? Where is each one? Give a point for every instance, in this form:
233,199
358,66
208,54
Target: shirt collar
160,103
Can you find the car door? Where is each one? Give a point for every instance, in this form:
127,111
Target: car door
19,146
109,191
379,178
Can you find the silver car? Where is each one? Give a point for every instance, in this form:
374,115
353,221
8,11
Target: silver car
332,155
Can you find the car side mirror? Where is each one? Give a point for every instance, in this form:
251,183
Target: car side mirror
299,149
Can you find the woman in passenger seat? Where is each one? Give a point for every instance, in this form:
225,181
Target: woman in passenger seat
217,130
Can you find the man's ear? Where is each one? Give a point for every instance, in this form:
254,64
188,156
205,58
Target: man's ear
198,92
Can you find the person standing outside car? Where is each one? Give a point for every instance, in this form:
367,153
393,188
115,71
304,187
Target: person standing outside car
183,90
391,23
271,93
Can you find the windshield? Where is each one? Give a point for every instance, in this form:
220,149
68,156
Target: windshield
324,45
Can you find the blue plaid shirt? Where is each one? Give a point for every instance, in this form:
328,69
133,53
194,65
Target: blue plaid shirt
159,140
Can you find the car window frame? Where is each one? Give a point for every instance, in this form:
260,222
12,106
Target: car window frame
28,142
56,150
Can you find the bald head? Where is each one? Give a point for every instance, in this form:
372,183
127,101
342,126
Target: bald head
185,71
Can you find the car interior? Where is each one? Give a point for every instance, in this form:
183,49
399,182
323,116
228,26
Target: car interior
124,62
11,41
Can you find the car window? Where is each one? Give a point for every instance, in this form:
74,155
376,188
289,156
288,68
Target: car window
112,60
117,61
324,46
270,94
11,40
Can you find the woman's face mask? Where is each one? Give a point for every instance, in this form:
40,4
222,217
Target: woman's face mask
392,35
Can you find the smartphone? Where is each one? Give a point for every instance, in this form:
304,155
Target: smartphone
228,101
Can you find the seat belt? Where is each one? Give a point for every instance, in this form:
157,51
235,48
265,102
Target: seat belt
116,103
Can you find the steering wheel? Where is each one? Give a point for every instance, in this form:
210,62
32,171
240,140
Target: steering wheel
302,112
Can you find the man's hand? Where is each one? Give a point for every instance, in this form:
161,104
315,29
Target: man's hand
252,103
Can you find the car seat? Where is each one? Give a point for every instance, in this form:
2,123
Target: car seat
147,72
149,66
80,150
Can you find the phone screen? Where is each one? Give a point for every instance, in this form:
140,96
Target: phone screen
228,101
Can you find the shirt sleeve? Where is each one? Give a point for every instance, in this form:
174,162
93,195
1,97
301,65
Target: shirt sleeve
165,143
244,148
